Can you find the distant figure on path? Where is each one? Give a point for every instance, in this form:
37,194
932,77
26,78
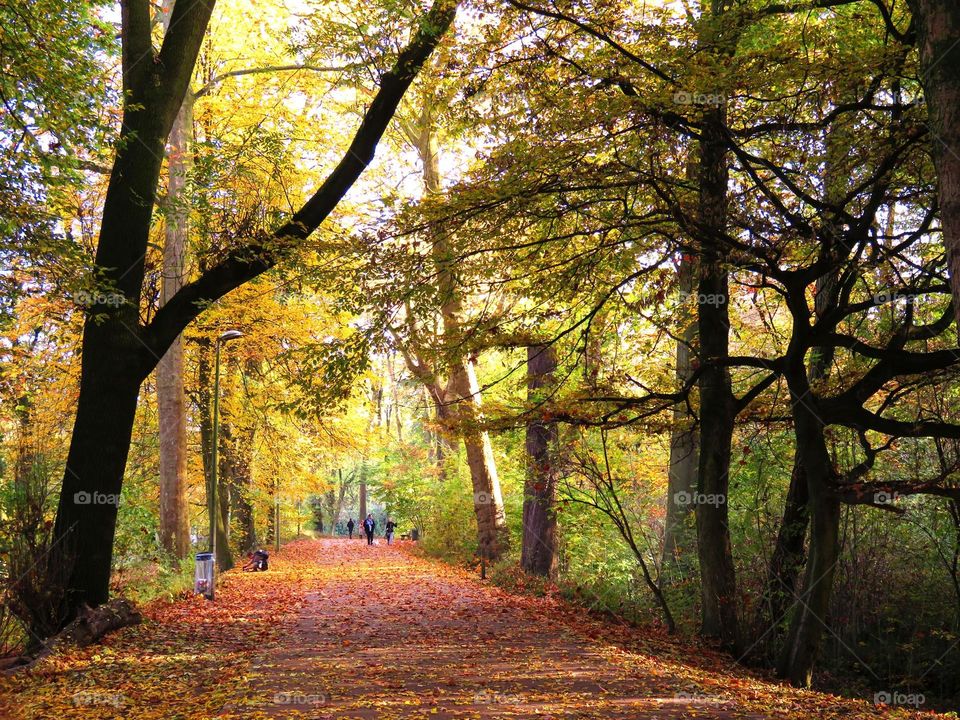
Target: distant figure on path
369,525
350,527
391,526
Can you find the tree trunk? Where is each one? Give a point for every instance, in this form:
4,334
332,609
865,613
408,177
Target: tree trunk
115,350
341,494
717,402
236,462
272,525
318,522
800,652
679,528
457,405
395,395
363,490
937,23
94,623
788,555
171,399
89,497
538,555
789,552
492,539
462,399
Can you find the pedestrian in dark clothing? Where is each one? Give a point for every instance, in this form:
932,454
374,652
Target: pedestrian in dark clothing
350,527
369,525
388,532
257,561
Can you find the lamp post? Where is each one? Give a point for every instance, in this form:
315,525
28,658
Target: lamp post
212,494
276,519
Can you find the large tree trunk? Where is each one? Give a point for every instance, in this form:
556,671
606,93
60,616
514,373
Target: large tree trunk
236,463
171,398
800,652
679,528
237,460
115,358
492,539
789,553
937,23
718,408
538,555
89,498
717,403
811,489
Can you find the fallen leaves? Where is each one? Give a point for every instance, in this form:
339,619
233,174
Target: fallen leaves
339,630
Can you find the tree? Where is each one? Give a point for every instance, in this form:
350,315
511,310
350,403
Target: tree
937,27
539,548
118,350
679,535
171,396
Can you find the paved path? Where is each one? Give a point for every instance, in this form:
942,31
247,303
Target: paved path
340,630
390,635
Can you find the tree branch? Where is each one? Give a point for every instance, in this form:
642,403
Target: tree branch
261,254
137,48
217,79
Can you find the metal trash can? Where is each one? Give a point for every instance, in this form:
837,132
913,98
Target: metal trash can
203,575
415,534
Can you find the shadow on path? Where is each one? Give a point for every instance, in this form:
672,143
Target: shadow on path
391,635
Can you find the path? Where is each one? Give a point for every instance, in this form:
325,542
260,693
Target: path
337,629
392,635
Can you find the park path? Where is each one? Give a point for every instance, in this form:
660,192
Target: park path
337,629
392,635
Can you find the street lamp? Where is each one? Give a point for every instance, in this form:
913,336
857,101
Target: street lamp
225,337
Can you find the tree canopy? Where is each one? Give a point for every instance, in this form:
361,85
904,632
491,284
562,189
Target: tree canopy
654,301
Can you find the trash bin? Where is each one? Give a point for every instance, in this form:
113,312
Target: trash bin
203,575
415,534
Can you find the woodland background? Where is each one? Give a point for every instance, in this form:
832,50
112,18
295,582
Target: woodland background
689,255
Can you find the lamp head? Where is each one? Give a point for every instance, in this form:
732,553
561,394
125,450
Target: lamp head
230,335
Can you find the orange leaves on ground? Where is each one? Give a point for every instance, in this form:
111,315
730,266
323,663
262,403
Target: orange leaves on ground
337,629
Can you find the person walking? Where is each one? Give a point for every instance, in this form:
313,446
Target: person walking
388,531
350,526
369,525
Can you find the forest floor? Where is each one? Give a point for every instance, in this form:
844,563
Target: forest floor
337,629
